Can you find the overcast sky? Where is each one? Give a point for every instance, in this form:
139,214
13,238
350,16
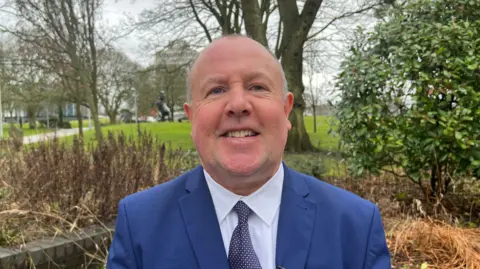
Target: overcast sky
114,15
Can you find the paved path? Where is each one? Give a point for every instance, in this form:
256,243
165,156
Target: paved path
59,133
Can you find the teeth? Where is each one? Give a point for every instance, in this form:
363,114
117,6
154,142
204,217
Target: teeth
242,133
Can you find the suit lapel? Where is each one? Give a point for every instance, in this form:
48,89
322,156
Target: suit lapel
295,224
201,223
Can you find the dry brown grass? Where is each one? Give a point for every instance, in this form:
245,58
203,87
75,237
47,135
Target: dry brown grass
420,231
398,197
439,244
46,186
56,190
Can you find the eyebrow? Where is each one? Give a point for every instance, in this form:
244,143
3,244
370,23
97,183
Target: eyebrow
248,77
212,80
258,75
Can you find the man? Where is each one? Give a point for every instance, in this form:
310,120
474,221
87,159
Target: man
243,207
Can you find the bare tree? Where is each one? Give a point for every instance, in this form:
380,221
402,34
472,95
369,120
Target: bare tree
63,75
66,31
28,84
284,26
171,66
311,96
316,90
171,81
116,71
6,97
146,90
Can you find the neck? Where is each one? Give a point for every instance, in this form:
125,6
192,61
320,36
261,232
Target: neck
242,188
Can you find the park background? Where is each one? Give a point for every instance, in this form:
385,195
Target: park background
387,97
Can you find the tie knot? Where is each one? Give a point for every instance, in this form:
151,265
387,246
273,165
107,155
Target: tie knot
243,211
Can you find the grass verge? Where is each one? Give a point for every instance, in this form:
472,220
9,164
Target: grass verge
177,134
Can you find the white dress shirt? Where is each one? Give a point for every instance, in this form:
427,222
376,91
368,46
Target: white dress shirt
263,223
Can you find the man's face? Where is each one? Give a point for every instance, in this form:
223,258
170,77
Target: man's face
239,113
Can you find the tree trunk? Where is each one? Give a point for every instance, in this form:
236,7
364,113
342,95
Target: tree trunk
90,8
314,118
96,121
171,112
80,119
60,115
32,118
31,122
19,118
298,139
295,31
113,117
11,111
253,21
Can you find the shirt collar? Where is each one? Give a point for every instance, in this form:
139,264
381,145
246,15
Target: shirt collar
264,202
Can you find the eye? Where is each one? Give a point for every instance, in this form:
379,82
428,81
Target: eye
257,88
216,90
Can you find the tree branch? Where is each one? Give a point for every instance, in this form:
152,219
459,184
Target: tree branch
279,44
214,12
307,17
345,15
253,21
237,18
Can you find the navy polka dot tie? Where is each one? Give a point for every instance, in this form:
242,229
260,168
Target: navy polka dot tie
241,254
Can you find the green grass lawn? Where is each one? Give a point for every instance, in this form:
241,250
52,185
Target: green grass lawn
26,130
174,133
178,134
74,123
321,138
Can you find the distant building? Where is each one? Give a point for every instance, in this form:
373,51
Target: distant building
176,53
69,113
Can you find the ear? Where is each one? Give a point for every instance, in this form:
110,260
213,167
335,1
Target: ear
188,110
287,107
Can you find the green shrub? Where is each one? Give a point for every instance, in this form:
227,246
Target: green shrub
410,95
310,164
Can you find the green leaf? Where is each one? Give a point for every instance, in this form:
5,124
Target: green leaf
378,148
472,225
421,55
415,176
472,66
476,154
360,171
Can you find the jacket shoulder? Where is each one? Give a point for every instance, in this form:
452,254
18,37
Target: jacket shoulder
342,201
158,194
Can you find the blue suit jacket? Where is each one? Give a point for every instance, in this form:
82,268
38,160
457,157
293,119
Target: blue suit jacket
173,226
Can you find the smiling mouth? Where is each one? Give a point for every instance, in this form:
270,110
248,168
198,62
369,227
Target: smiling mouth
240,134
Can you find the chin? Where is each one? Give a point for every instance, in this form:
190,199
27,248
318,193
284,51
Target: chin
242,168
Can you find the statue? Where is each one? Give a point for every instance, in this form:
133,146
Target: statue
162,107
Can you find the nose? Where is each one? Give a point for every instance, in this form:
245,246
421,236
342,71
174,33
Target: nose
238,103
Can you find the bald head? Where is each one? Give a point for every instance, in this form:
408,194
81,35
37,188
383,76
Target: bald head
232,44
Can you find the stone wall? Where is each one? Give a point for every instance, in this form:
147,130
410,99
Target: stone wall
61,251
